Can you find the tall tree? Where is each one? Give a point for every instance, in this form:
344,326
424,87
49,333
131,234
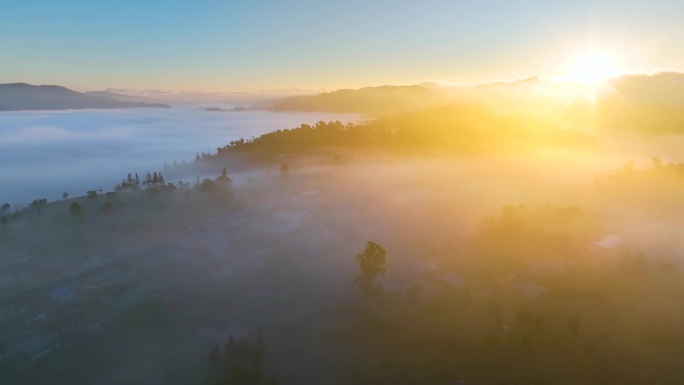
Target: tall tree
38,203
372,265
65,195
223,178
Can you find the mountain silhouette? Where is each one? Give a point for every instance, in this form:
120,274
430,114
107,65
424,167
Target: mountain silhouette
22,96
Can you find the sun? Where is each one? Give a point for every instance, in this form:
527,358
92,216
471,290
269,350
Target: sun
592,68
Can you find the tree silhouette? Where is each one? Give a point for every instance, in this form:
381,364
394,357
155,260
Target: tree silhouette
208,186
65,195
372,265
224,179
656,162
38,203
6,207
92,195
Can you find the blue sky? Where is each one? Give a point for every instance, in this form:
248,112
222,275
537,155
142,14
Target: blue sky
254,45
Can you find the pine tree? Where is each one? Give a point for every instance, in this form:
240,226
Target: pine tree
137,179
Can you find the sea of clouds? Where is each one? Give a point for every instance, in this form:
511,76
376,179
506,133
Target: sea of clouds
46,153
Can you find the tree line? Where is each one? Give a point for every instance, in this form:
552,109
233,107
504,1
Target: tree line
452,128
239,362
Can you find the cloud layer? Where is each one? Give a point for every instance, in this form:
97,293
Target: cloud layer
45,153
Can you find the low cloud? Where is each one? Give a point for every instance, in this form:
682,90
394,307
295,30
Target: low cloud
45,153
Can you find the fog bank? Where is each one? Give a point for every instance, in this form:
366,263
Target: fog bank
46,153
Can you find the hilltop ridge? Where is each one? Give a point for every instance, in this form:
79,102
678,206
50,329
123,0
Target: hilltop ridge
23,96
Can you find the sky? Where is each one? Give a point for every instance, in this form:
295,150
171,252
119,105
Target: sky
222,46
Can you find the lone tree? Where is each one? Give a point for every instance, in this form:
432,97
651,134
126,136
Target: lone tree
223,179
38,203
372,265
92,195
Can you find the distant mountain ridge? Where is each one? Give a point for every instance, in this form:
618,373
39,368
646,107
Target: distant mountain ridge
382,99
650,103
22,96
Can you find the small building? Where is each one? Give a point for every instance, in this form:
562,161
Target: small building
528,289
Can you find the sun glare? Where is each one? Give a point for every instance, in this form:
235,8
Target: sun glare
592,68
